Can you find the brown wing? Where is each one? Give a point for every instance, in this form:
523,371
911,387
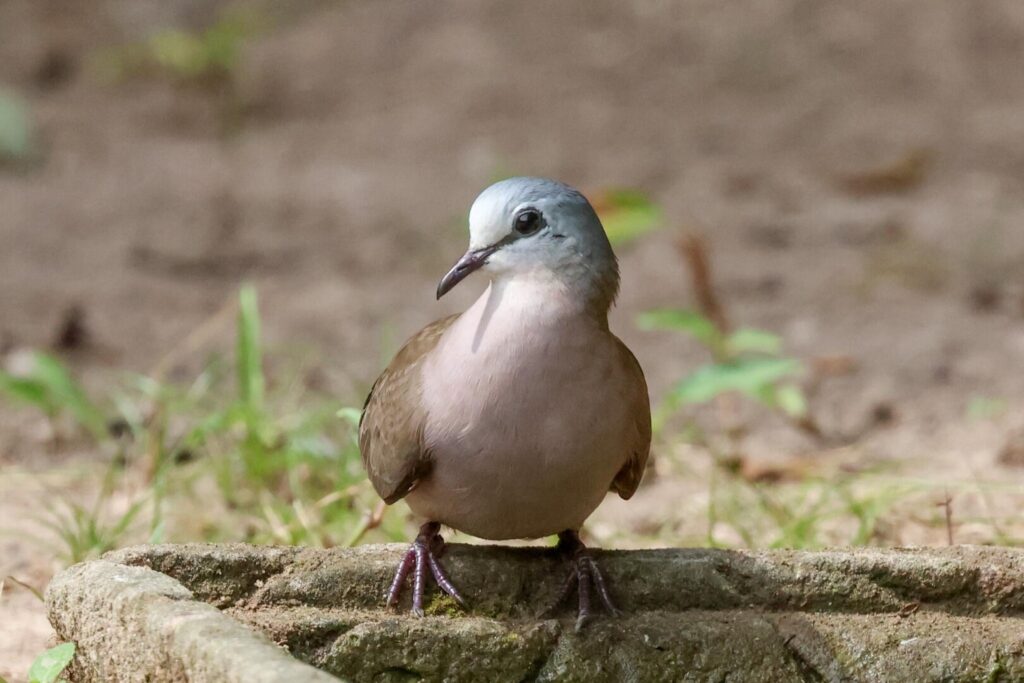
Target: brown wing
391,427
628,478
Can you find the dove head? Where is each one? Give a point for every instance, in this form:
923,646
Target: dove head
539,228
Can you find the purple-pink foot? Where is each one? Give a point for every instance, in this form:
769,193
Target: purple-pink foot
418,560
585,577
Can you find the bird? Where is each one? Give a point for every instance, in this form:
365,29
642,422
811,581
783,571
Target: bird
514,419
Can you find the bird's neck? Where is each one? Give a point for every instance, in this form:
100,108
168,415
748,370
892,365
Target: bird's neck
543,295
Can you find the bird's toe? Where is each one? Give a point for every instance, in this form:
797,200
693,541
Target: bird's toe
419,561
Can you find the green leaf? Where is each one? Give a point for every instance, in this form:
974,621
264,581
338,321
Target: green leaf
690,322
748,376
15,128
249,358
626,214
749,340
50,664
790,398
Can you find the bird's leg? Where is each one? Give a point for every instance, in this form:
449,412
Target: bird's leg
585,576
420,559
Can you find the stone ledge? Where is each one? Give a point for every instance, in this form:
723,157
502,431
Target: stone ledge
169,613
135,624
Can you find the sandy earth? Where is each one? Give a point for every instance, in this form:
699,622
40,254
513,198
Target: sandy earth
361,131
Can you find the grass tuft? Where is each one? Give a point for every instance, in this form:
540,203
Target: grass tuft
233,454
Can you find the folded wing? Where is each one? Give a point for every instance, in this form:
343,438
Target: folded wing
628,478
391,427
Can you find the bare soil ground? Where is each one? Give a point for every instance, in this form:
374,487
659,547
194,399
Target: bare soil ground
858,173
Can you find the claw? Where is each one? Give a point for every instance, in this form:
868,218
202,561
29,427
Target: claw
602,588
583,588
419,578
404,567
563,595
586,577
420,560
442,580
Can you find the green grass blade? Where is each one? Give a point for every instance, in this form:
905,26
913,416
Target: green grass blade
67,393
16,135
25,390
49,386
248,353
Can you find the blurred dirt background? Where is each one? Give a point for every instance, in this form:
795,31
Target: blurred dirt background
857,171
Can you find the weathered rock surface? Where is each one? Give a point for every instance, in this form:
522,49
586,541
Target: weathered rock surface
221,613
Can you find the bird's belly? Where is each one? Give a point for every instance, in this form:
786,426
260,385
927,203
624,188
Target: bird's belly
504,494
531,452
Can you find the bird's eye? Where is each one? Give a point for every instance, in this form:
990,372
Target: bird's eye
527,222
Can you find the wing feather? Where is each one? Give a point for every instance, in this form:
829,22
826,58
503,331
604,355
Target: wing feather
391,427
628,478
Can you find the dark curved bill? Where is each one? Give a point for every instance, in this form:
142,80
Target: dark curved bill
470,261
